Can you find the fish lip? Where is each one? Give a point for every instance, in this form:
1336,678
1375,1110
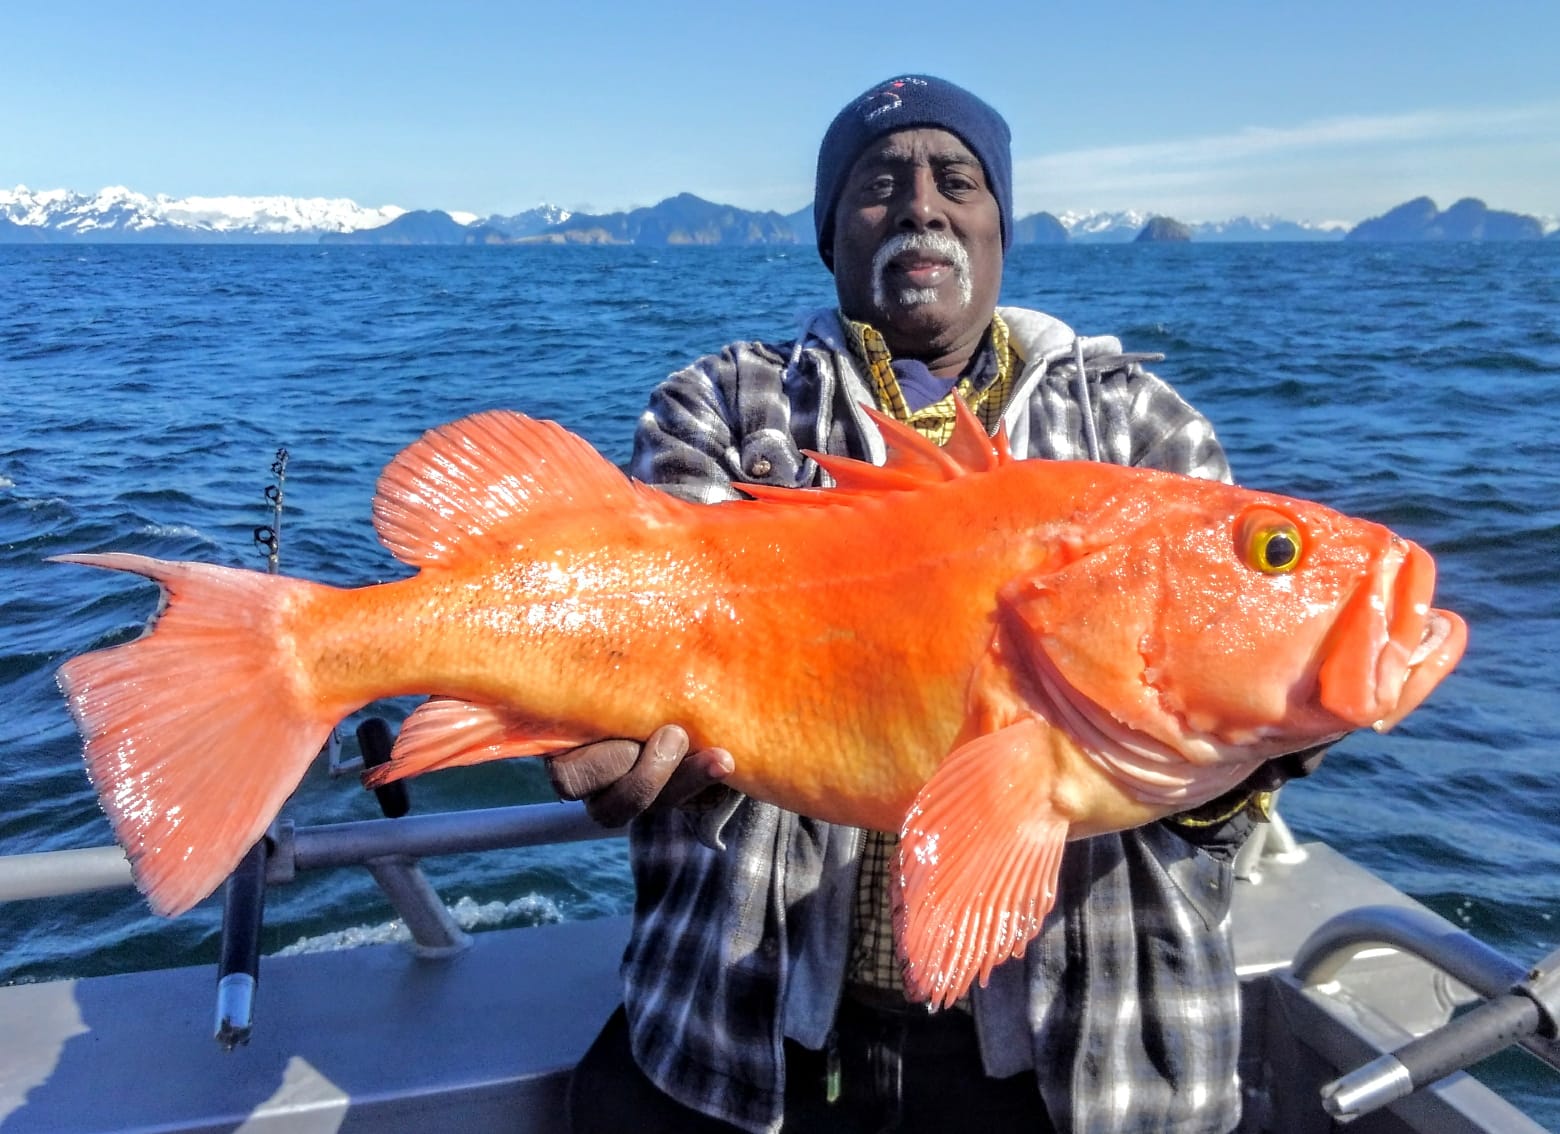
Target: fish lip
1441,646
1433,634
1421,642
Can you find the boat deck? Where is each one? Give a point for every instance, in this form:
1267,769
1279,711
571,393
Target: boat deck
378,1039
362,1039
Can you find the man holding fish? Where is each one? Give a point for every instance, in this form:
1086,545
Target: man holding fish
959,731
761,981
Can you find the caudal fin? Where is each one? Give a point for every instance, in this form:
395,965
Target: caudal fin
196,732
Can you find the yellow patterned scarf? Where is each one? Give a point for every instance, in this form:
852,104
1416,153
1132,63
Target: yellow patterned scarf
936,420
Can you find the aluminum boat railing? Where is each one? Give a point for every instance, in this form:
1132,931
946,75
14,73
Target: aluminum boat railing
60,873
388,848
1521,1005
46,874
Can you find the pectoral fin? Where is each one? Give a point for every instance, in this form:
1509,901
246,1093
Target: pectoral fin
979,856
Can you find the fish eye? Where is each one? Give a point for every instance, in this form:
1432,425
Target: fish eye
1270,543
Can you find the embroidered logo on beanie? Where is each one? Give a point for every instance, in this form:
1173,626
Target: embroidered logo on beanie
886,98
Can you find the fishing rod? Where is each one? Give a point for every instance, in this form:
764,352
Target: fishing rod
268,537
243,897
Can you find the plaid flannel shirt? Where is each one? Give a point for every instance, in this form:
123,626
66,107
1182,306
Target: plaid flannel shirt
1126,1005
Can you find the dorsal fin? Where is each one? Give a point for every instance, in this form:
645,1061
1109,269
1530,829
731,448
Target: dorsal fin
913,461
969,450
790,497
853,476
471,487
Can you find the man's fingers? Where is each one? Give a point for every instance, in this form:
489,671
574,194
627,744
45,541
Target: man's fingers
638,788
698,771
619,779
587,769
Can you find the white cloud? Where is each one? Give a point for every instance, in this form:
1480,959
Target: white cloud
1337,167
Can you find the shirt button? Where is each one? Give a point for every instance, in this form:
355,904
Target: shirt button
760,466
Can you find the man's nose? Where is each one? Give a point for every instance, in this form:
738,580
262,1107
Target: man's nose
922,206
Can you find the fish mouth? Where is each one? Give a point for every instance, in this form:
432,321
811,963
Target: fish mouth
1438,629
1441,645
1390,647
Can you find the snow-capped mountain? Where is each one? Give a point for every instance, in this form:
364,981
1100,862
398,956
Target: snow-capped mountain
1103,227
1098,227
120,214
123,214
529,222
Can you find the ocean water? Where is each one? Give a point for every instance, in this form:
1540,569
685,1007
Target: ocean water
144,392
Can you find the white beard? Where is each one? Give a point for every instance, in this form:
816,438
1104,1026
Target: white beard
937,244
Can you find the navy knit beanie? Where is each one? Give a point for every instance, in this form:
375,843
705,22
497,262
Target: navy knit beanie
906,103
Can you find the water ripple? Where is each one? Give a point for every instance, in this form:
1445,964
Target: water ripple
148,389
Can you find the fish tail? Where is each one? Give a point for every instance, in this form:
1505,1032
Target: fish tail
197,731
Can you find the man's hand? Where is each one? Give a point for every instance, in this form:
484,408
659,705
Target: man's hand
619,779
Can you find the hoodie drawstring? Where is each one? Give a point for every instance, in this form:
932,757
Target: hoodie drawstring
1091,439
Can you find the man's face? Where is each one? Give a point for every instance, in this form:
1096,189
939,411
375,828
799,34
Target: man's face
918,246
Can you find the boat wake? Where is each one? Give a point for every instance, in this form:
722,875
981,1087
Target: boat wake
469,914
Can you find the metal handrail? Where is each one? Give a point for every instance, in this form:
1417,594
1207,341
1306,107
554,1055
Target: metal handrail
46,874
1521,1005
55,874
1418,932
388,848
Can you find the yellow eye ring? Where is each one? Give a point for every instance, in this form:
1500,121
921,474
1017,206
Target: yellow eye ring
1270,543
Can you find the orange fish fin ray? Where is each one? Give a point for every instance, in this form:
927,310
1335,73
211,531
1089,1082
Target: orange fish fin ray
447,733
790,497
979,857
968,450
912,461
195,733
912,454
1001,445
853,476
971,446
472,487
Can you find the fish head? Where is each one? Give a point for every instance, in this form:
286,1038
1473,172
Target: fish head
1228,626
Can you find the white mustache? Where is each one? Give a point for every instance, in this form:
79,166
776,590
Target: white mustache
938,244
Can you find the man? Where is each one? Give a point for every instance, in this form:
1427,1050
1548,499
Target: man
760,983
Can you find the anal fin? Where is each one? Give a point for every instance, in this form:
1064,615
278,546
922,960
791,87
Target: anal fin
979,857
447,733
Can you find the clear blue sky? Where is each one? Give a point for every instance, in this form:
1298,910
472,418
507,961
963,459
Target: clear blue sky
1202,111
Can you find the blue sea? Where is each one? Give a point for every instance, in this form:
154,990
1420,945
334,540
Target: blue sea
146,390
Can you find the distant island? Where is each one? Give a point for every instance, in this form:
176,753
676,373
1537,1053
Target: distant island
1163,230
120,215
689,220
1468,219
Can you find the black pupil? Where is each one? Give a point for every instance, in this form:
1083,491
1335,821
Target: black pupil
1281,550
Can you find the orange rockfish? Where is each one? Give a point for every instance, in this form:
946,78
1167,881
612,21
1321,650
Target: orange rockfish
991,656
